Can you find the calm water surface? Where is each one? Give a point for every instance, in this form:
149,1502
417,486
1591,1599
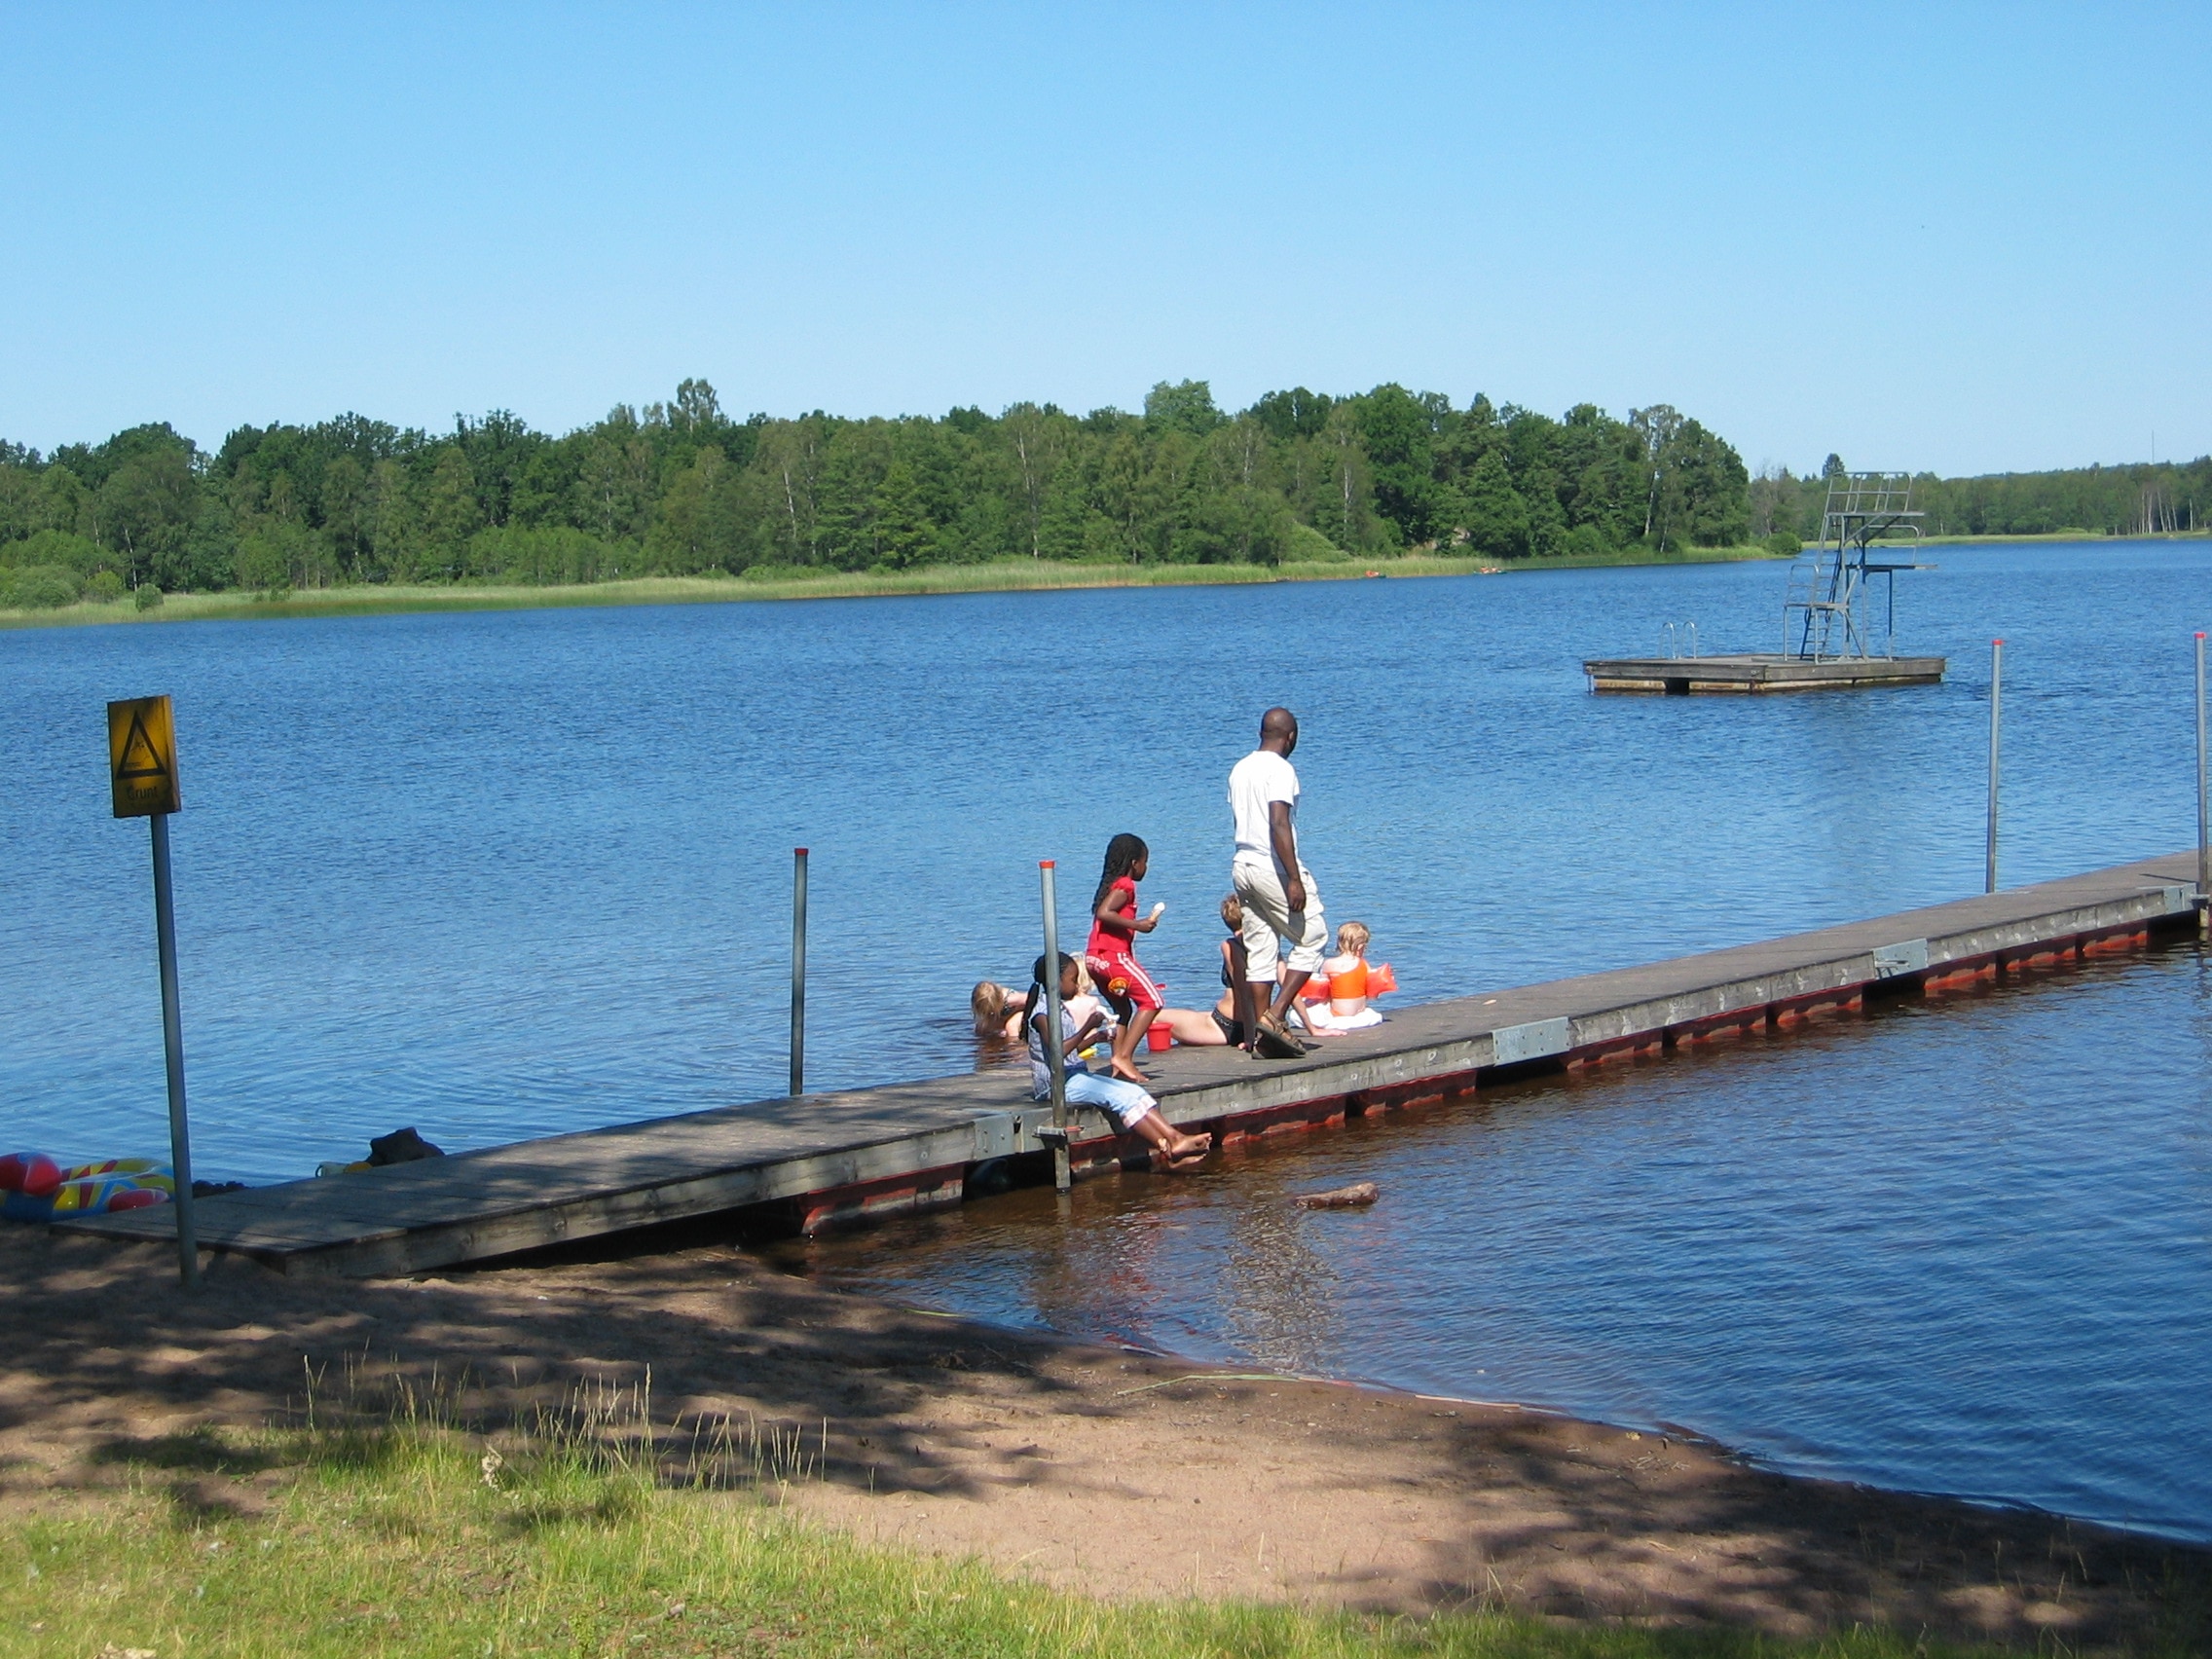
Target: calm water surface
1960,1248
505,874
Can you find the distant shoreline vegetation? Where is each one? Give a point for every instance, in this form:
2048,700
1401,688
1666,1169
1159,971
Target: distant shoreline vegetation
773,582
2165,498
1297,484
681,490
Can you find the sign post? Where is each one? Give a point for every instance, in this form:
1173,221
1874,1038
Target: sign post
142,764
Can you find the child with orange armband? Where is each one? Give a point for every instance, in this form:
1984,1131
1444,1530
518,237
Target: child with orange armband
1352,981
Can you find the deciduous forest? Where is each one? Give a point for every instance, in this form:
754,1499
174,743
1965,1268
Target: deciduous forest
681,489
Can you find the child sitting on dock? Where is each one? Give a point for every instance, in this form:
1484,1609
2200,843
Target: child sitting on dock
1350,983
1131,1108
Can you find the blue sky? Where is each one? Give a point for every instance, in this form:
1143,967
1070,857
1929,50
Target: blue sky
1933,236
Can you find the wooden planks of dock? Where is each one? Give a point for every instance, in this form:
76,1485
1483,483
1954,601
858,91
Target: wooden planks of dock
1757,672
838,1158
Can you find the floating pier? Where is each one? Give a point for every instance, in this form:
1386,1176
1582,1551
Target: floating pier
828,1160
1682,677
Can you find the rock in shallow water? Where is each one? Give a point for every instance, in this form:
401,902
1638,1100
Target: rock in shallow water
1340,1198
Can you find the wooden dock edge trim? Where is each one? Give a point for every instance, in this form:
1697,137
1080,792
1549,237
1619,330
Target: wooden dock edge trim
2149,910
1755,672
1413,1078
821,1181
1731,1008
867,1202
1777,1002
905,1173
1692,685
753,1180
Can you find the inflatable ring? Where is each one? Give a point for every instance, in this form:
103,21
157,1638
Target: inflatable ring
34,1186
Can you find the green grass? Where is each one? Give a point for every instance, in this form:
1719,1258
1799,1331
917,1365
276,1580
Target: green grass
414,1538
1005,577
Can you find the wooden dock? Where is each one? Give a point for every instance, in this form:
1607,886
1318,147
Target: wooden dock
1680,677
829,1159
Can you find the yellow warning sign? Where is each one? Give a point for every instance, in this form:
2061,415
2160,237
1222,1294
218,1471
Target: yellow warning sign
141,756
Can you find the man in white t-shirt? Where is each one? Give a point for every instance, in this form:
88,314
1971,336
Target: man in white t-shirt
1279,898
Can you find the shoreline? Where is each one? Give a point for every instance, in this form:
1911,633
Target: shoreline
1008,576
1090,1468
1013,577
2096,536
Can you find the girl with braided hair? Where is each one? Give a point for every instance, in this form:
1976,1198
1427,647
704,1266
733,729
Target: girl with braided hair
1112,950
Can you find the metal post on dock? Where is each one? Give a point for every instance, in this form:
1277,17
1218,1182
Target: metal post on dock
1063,1177
799,971
1996,708
2203,806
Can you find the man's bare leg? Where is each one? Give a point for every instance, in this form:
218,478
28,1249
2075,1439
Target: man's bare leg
1248,1013
1293,983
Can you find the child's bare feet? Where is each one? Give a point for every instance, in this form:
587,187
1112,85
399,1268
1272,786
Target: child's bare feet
1126,1071
1187,1149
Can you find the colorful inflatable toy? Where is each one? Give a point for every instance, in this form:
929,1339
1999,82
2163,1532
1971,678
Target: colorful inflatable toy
1379,981
34,1186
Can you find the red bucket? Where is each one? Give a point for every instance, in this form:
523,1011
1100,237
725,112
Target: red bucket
1158,1038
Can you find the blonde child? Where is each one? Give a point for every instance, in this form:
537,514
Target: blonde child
1346,1009
998,1009
1347,970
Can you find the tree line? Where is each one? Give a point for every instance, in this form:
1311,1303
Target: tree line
682,489
2168,498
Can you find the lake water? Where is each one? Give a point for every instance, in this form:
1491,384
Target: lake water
507,873
1962,1248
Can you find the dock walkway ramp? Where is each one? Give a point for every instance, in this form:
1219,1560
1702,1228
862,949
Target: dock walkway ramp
836,1159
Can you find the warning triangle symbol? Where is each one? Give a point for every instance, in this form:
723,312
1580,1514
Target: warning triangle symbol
140,758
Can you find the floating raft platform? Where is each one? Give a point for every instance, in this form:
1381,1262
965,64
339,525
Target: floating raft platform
1680,677
821,1160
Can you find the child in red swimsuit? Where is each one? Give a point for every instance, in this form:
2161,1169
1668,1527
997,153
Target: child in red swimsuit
1114,928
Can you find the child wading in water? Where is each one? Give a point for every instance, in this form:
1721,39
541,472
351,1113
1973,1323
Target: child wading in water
1133,1110
1114,927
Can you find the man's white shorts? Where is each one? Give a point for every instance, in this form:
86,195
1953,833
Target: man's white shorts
1268,916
